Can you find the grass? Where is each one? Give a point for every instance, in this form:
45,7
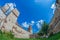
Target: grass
7,36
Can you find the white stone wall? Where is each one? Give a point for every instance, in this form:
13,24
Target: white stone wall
8,22
2,18
11,18
20,33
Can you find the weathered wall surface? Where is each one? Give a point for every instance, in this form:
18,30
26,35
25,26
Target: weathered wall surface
8,20
55,23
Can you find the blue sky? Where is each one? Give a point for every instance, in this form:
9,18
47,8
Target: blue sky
32,11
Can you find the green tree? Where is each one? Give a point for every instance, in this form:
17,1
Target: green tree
44,29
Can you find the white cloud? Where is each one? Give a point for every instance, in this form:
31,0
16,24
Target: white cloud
32,22
25,24
38,25
53,7
41,21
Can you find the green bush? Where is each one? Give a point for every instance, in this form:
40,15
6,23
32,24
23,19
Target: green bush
9,34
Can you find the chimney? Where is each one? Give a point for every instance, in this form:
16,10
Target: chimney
30,29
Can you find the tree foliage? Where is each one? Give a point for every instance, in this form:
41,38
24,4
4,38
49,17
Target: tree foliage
44,29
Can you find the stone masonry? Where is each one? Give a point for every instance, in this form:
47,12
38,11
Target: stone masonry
54,26
8,21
